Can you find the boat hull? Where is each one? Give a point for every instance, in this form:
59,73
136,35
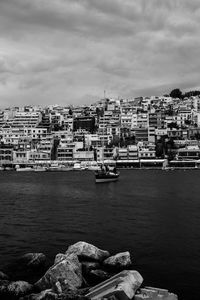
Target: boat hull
101,178
25,170
59,169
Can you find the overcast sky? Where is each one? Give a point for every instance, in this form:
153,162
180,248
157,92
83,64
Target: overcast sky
70,51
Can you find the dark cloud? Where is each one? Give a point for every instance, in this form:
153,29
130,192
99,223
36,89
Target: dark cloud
65,50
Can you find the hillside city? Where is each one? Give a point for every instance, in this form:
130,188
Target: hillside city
139,132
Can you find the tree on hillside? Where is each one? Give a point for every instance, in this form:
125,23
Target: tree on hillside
176,93
191,93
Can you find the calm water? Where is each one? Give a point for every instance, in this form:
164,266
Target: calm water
153,214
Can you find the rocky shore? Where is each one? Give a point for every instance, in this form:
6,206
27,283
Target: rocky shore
82,272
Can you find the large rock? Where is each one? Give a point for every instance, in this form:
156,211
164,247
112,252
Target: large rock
67,271
14,289
34,259
88,251
44,295
121,286
3,276
152,293
120,260
59,257
3,288
52,295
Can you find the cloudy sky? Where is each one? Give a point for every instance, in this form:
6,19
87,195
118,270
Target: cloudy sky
70,51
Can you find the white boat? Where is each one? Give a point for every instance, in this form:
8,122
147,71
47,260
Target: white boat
94,168
8,169
25,169
40,169
55,167
78,167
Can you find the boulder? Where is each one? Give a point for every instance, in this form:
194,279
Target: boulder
59,257
67,271
88,251
153,293
120,260
121,286
3,288
51,295
44,295
14,289
34,259
3,276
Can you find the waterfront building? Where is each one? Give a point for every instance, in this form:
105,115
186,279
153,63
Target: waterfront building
35,156
83,155
189,152
66,153
122,153
105,154
6,154
132,152
145,153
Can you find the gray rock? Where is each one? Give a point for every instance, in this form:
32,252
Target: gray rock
59,257
120,260
3,288
44,295
3,276
67,271
88,251
15,289
34,259
121,286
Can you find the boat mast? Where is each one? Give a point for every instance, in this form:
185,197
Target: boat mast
103,127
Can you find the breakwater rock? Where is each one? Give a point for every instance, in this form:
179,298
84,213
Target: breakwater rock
82,272
34,260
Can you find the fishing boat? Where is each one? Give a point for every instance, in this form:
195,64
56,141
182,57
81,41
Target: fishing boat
102,175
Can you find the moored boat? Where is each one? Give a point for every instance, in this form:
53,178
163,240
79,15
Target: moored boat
40,169
25,169
78,167
54,167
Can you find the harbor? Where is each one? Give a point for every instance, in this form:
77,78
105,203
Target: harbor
65,166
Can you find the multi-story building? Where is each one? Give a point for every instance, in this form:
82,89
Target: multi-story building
25,119
6,154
